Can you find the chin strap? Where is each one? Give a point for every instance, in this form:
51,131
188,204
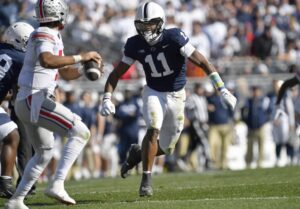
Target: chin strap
157,39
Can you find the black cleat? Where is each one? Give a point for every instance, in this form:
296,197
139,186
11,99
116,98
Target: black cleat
6,188
146,188
146,191
124,170
134,157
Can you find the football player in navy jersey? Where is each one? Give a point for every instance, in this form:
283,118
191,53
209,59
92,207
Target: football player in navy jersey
163,53
11,60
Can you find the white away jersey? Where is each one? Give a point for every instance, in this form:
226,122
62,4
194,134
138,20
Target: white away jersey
33,76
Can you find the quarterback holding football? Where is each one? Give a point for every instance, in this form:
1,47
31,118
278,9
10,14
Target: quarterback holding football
36,106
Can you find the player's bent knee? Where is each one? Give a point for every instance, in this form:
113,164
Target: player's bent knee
81,130
44,155
167,150
12,138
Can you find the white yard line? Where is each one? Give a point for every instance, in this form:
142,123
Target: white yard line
149,201
229,199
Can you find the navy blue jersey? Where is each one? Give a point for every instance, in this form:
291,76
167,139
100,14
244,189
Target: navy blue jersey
11,61
163,63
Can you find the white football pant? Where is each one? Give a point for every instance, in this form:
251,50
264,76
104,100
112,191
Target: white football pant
164,111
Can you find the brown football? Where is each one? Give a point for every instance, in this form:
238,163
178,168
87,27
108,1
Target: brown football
92,70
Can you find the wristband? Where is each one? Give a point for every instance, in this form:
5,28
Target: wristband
217,81
107,95
77,58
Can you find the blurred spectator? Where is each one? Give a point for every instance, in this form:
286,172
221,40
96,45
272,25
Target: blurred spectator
284,126
231,44
196,113
127,115
256,114
8,12
83,27
200,40
72,102
245,36
262,44
220,132
213,27
89,119
279,39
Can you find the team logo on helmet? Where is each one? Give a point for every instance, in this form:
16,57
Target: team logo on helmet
51,11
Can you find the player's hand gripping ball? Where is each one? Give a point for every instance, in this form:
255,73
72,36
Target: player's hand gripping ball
92,70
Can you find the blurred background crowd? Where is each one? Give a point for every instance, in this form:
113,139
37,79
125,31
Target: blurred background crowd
254,45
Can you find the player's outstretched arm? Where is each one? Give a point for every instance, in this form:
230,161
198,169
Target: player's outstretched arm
108,107
286,85
50,61
198,59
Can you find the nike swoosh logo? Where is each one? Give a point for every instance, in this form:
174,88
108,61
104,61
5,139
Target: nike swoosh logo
165,46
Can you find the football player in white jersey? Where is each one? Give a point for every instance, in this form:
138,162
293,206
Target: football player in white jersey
289,83
37,109
163,53
12,52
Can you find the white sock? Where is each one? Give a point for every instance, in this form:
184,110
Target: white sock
71,151
32,172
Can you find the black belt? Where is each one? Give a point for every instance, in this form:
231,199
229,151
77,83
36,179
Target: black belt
51,96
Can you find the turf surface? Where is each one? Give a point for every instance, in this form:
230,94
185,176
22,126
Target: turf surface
257,189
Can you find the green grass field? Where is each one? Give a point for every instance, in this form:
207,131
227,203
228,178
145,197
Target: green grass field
257,189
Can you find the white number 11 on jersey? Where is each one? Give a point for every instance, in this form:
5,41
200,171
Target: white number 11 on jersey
161,57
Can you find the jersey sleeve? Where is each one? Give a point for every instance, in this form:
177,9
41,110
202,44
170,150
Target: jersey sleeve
129,53
179,37
44,42
183,43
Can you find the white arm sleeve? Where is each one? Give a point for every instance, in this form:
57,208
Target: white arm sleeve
127,60
187,50
44,46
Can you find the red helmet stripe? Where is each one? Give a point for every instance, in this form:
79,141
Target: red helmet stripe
41,9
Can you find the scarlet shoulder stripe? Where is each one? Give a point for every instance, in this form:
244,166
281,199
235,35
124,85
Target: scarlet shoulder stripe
43,35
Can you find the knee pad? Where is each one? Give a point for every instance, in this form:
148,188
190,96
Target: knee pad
80,130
